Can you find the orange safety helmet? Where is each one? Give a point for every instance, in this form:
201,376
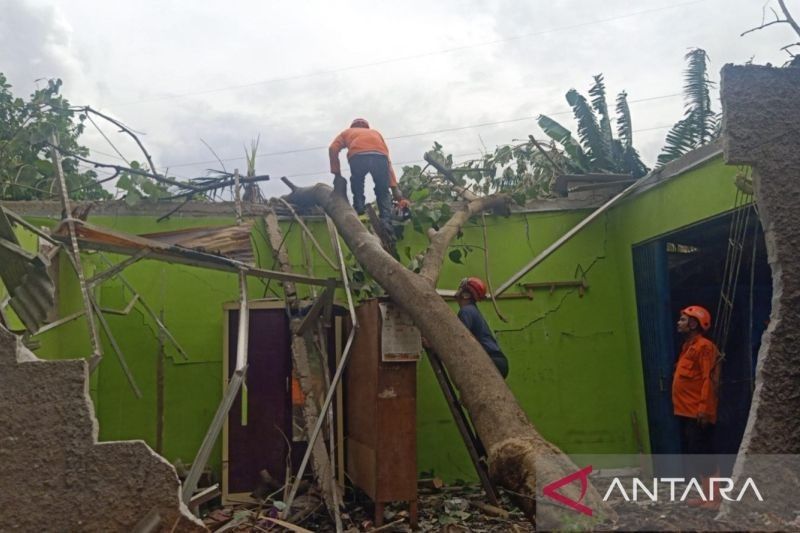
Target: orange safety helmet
475,286
359,123
701,314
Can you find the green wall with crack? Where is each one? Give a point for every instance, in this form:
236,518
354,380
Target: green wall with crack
574,357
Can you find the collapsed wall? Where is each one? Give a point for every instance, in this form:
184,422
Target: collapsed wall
54,475
761,128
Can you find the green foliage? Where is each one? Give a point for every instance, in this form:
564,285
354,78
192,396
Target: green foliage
589,131
361,283
26,171
598,150
699,125
578,160
138,187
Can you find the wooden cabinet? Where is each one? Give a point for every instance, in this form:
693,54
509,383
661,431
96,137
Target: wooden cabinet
381,420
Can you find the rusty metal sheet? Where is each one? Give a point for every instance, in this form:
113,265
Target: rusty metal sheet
91,237
230,241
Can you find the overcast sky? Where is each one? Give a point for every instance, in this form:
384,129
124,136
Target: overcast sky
470,75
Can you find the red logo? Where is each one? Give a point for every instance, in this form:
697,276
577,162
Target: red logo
583,475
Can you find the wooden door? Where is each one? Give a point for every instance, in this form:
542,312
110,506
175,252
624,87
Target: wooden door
255,438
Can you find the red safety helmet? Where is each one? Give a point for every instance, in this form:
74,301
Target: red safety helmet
359,123
701,314
475,286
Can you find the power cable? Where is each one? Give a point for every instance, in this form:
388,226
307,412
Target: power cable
414,56
399,164
417,134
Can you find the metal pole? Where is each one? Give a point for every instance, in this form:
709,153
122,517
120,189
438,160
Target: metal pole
244,322
566,237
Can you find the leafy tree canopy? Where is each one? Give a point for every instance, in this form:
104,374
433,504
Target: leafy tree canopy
26,171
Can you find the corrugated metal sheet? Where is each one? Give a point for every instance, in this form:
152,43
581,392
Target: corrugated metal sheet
230,241
25,276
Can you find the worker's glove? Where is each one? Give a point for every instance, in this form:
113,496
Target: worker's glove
402,209
340,186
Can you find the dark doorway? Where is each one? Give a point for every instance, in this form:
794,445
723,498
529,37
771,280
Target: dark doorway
255,439
686,268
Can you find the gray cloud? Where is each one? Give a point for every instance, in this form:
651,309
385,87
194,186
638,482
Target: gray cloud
35,44
146,63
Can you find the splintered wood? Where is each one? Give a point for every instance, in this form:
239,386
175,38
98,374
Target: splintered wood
302,346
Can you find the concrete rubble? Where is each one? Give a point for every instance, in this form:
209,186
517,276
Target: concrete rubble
55,475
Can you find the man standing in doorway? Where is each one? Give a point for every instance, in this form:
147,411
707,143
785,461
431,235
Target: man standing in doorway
694,399
367,153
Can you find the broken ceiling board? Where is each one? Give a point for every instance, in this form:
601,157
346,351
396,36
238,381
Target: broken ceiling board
91,237
230,241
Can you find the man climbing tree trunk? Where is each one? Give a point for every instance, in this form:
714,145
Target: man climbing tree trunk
512,443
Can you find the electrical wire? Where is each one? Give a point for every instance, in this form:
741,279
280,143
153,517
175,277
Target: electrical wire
421,133
413,56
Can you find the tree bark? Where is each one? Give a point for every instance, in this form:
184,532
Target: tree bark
511,441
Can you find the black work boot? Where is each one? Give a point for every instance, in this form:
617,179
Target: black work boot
384,200
359,205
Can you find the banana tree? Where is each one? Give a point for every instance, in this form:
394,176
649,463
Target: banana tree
596,150
699,125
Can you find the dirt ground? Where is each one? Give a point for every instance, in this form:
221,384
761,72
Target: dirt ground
450,510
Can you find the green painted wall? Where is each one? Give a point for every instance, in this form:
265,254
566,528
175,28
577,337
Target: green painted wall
575,360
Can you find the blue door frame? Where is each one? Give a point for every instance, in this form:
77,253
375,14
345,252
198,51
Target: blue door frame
651,277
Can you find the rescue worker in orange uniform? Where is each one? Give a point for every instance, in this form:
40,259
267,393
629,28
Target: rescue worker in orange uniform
694,398
367,153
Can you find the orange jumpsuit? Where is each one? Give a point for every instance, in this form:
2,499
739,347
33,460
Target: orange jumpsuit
694,386
359,141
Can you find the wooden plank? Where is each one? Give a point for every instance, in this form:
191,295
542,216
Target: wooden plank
94,335
323,467
340,465
288,525
93,237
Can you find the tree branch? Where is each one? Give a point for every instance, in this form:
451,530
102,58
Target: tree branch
789,17
751,30
119,168
125,129
440,240
788,20
465,193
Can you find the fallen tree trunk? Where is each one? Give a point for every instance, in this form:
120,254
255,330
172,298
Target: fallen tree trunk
512,443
